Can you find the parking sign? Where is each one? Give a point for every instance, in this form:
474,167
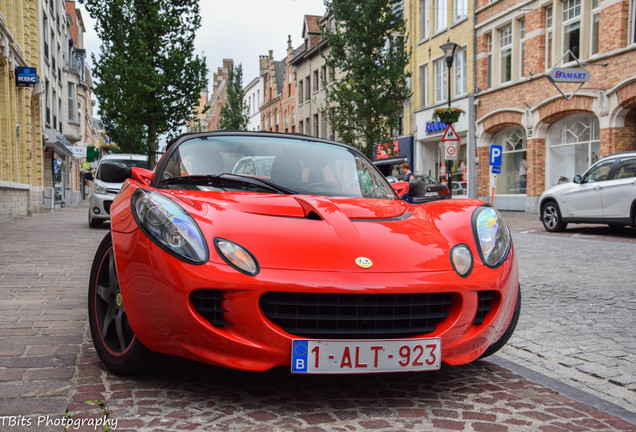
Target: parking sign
495,155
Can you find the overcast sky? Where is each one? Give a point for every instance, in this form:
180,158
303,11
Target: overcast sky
239,29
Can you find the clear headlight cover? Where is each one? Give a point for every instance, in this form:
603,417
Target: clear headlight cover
99,188
461,259
492,236
168,225
237,256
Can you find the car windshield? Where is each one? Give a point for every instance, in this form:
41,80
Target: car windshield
271,164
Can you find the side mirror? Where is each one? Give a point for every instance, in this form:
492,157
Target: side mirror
114,172
577,179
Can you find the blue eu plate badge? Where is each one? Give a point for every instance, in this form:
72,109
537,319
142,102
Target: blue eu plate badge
299,356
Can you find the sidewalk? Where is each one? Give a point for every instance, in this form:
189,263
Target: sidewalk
45,262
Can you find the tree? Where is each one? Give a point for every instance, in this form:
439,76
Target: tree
234,114
367,48
147,78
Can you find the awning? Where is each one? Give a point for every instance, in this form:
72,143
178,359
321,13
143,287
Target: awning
390,161
57,142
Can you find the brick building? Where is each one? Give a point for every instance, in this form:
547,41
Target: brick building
219,95
550,134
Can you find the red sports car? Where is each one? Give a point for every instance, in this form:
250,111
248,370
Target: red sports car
310,262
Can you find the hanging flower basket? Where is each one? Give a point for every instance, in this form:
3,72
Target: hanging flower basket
447,115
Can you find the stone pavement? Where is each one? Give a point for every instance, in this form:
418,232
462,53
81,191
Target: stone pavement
48,364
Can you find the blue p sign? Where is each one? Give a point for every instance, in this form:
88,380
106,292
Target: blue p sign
495,155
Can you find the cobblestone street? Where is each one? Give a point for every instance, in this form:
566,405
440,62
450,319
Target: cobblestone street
569,366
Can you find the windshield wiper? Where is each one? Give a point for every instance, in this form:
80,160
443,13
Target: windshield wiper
258,181
229,178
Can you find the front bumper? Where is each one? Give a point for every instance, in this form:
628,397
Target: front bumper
157,288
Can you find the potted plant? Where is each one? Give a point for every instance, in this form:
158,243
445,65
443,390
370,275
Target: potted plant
447,114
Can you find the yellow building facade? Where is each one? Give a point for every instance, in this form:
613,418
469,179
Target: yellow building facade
431,23
21,158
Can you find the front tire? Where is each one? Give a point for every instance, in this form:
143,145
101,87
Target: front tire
551,217
114,340
93,223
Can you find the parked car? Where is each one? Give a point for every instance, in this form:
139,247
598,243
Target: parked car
604,194
423,189
102,193
319,266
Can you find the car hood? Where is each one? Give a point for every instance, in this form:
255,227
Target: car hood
328,234
559,189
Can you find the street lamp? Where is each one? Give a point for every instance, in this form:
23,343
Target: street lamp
449,55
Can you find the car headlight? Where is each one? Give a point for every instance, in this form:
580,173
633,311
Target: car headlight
491,235
168,225
237,256
100,189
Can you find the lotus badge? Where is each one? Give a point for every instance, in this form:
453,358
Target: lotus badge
364,262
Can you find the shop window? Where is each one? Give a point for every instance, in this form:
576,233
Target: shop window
573,146
514,165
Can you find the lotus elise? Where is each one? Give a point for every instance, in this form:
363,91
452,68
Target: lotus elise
311,262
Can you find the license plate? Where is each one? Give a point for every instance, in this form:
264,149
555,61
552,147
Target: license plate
430,194
365,356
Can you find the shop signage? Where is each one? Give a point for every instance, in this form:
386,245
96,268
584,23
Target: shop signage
78,152
383,151
26,76
435,127
568,75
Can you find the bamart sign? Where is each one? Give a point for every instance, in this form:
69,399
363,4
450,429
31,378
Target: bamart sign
435,127
569,75
26,76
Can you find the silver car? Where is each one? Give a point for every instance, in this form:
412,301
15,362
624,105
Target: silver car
604,194
103,193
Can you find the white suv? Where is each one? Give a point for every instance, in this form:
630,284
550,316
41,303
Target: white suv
102,193
604,194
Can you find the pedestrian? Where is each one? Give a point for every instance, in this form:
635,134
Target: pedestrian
408,177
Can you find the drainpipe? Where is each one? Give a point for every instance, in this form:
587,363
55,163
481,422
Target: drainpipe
473,168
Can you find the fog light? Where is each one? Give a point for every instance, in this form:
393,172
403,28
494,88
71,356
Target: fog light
95,210
461,259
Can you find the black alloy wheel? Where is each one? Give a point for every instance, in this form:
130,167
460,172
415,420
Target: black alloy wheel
114,340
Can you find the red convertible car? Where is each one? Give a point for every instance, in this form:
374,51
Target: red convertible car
312,263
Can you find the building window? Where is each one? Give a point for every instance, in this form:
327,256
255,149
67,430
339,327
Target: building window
489,61
505,48
460,10
440,80
286,121
307,89
424,19
573,146
633,21
514,166
424,85
300,127
571,28
316,124
596,11
440,15
460,72
71,102
316,81
300,92
522,46
548,38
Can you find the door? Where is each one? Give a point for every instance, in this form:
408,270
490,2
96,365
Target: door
620,191
585,199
